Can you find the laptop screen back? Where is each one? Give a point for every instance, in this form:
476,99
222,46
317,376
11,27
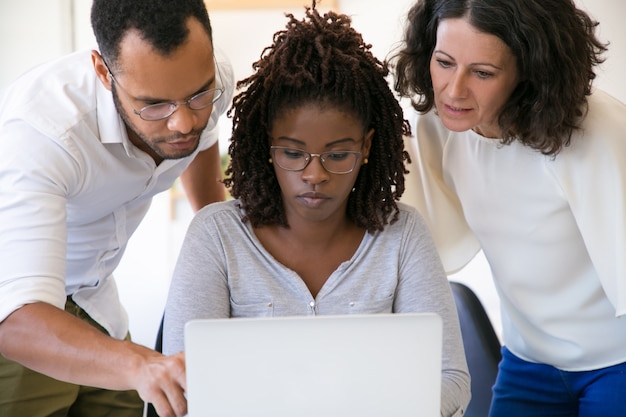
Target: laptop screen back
330,366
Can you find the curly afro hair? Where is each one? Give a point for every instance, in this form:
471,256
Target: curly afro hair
320,59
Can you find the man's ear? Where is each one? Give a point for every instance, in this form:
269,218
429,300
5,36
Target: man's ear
102,72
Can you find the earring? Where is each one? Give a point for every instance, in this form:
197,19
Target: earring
270,160
365,161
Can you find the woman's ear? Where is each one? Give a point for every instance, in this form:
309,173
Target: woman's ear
102,72
367,144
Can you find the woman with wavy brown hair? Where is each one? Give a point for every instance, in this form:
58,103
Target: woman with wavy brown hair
516,154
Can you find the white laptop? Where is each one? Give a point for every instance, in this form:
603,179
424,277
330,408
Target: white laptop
383,365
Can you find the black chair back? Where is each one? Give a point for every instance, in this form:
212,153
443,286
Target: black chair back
482,348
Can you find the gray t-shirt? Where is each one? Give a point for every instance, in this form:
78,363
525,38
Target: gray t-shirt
224,271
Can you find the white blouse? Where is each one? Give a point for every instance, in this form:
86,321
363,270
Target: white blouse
552,229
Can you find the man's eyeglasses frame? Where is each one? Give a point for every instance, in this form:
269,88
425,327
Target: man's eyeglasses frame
172,106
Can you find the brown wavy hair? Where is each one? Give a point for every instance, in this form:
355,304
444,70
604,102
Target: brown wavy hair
321,60
556,50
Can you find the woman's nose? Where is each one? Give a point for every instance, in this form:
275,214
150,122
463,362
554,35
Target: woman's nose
458,85
314,172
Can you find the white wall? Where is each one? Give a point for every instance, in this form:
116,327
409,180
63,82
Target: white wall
28,37
610,14
33,31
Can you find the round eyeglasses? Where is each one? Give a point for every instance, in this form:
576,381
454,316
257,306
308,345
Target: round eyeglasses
160,111
335,162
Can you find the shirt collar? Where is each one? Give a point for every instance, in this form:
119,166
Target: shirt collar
112,128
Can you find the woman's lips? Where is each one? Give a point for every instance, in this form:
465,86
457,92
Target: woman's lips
313,199
456,110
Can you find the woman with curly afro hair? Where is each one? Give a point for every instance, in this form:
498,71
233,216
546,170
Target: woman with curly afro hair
315,226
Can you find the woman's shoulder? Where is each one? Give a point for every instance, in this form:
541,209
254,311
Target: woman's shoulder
408,216
429,122
230,208
407,210
430,135
599,145
603,128
604,108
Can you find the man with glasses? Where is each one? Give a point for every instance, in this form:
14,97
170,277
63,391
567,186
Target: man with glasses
85,143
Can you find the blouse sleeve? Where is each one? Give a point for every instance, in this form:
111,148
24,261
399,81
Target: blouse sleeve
592,173
427,190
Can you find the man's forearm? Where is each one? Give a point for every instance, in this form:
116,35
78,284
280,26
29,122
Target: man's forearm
202,180
53,342
50,341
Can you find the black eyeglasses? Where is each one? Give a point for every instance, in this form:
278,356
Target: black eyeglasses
160,111
335,162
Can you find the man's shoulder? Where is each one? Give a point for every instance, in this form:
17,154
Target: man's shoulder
67,69
51,92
